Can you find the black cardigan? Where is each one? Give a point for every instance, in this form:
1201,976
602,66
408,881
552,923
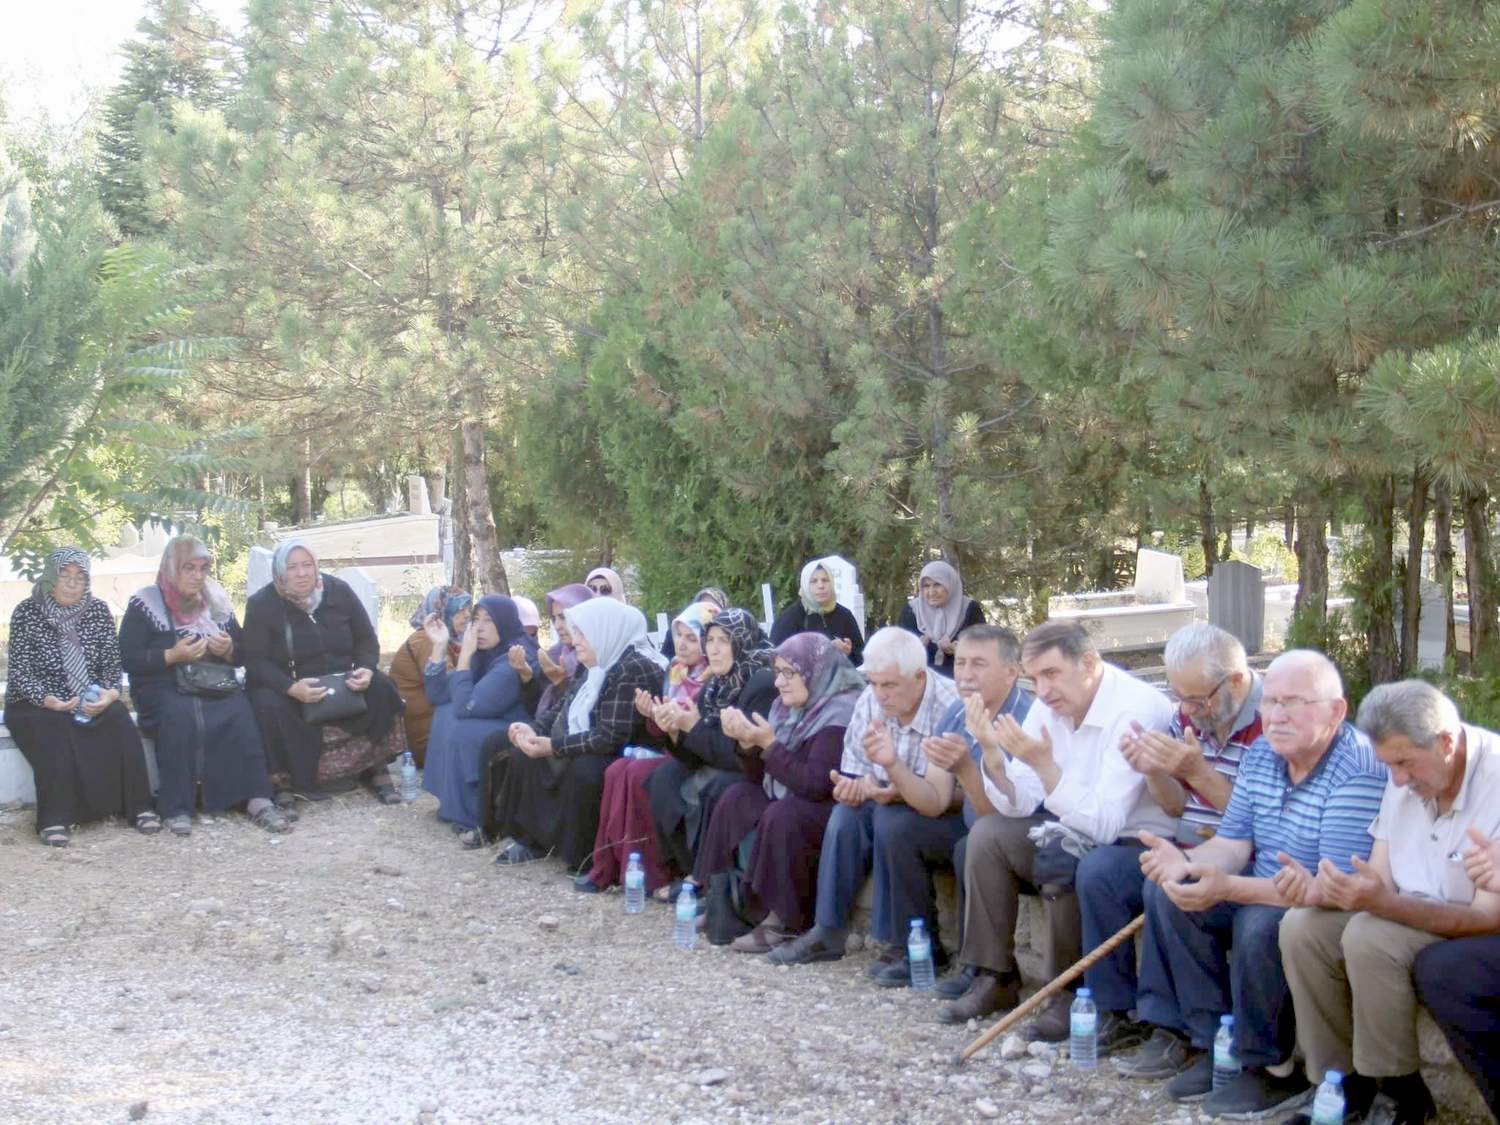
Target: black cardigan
143,651
838,623
707,744
337,637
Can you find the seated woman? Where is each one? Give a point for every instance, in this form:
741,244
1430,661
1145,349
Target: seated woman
207,745
939,613
304,625
625,824
531,620
451,606
705,759
788,796
559,663
480,697
817,610
549,798
714,596
63,707
605,583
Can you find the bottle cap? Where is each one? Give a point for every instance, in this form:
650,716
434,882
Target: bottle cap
918,922
1085,994
1226,1020
1334,1076
635,856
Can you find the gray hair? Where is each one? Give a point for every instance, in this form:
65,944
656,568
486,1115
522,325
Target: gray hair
1213,651
1322,673
894,647
997,635
1068,637
1413,709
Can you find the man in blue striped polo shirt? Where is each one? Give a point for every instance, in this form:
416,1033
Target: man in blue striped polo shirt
1306,791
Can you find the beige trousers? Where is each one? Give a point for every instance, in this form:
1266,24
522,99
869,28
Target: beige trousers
1350,976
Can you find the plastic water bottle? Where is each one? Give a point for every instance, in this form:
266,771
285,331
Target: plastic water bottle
919,954
90,694
1226,1065
685,927
1083,1031
1328,1105
635,885
407,786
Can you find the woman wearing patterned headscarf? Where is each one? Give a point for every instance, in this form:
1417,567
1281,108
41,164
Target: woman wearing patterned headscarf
450,606
481,696
939,613
706,761
205,745
817,610
63,706
625,824
787,797
304,625
549,799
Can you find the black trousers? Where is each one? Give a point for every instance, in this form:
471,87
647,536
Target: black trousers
1459,983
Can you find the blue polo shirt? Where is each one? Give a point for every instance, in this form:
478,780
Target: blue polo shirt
1017,705
1327,815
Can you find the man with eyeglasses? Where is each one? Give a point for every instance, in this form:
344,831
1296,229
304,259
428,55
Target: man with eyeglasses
1306,792
1350,947
1190,770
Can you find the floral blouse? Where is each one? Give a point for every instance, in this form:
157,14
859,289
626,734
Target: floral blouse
36,669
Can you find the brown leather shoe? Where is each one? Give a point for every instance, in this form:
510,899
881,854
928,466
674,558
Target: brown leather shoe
986,996
1053,1025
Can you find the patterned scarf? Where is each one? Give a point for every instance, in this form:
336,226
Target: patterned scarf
208,612
65,618
752,652
309,602
685,681
833,687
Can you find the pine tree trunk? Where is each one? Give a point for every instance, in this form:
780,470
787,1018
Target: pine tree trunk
1289,526
1249,530
302,486
1208,537
489,565
463,558
1442,556
1379,580
1312,559
1411,590
1480,566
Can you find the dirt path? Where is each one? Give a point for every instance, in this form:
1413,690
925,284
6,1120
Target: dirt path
366,969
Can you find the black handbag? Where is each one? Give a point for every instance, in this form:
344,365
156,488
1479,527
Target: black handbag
207,678
338,702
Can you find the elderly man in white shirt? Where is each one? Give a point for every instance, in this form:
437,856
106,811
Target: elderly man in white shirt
1349,949
1063,764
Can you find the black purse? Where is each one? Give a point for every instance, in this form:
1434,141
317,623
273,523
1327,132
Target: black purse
207,678
338,702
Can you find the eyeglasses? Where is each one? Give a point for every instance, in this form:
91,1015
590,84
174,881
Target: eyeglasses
1204,700
600,587
1287,703
788,674
72,578
196,568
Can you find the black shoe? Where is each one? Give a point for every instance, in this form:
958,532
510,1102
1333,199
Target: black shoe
1164,1055
1410,1099
1118,1033
896,974
584,885
1196,1081
518,853
951,988
811,946
1257,1093
890,955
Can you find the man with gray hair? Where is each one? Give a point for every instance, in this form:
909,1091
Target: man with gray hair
1062,765
1350,946
1306,792
888,795
1190,770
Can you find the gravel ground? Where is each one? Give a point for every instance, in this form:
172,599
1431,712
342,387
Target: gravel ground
366,969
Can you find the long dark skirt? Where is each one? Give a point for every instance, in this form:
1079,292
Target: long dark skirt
681,820
215,742
783,872
295,747
83,772
625,825
552,804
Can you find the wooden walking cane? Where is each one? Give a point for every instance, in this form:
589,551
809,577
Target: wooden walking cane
1051,989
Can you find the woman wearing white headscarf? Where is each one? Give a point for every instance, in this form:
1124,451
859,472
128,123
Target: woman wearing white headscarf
817,610
208,747
63,708
939,613
549,800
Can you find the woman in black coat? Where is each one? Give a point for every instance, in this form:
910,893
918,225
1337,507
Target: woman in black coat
63,706
817,610
304,625
206,743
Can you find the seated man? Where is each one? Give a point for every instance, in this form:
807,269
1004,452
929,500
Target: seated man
1306,791
1459,980
891,803
1349,948
987,673
1190,770
1064,761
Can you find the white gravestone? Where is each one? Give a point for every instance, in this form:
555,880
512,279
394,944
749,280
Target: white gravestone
257,570
365,590
1158,577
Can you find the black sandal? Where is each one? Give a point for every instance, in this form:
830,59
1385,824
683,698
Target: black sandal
386,793
55,836
473,838
147,823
